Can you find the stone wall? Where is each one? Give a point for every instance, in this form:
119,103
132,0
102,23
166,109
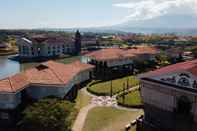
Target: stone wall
161,106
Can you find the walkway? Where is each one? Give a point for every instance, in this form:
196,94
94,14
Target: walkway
80,120
97,101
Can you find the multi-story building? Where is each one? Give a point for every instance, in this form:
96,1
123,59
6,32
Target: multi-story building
170,98
118,61
41,46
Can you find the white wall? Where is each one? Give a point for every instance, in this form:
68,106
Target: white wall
9,101
157,98
69,48
165,98
82,76
39,92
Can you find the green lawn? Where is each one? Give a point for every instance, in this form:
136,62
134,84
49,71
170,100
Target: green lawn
133,128
82,99
109,119
131,99
104,88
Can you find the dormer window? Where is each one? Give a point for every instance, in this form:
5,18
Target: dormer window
183,81
41,67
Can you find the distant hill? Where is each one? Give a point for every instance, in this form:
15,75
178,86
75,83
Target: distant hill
175,24
178,24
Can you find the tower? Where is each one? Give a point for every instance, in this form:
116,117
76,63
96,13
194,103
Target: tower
77,42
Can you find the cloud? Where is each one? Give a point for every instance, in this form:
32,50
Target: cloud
148,9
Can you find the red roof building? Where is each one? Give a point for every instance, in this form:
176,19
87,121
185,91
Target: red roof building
47,79
118,53
169,95
48,73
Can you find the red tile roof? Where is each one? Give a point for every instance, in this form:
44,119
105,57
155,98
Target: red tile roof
49,39
117,53
190,66
48,73
13,83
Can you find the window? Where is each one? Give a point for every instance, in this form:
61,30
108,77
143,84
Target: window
184,81
4,115
53,52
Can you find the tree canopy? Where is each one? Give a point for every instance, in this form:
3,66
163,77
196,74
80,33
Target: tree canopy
162,60
49,114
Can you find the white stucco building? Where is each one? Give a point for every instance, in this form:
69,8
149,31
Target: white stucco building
44,46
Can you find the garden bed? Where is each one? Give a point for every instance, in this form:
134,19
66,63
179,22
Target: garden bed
104,88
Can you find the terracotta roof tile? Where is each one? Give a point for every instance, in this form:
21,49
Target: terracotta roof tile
117,53
13,83
48,73
190,66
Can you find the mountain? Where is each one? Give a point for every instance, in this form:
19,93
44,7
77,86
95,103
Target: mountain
178,24
174,24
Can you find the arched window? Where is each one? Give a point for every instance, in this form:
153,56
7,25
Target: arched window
183,81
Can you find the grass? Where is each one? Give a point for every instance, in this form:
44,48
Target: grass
133,128
104,88
68,60
131,99
109,119
82,99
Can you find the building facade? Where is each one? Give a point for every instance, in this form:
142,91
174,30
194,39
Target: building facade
170,98
47,46
116,61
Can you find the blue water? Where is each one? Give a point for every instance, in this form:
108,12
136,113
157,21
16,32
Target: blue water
9,67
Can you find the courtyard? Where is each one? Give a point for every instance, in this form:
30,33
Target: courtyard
102,112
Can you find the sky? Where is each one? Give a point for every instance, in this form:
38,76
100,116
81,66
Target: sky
22,14
58,13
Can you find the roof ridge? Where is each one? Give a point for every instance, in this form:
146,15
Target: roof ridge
11,84
56,75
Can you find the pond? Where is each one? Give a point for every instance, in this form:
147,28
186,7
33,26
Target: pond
9,67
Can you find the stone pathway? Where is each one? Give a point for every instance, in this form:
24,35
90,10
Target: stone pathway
106,101
97,101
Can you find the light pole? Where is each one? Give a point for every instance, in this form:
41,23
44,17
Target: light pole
111,90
